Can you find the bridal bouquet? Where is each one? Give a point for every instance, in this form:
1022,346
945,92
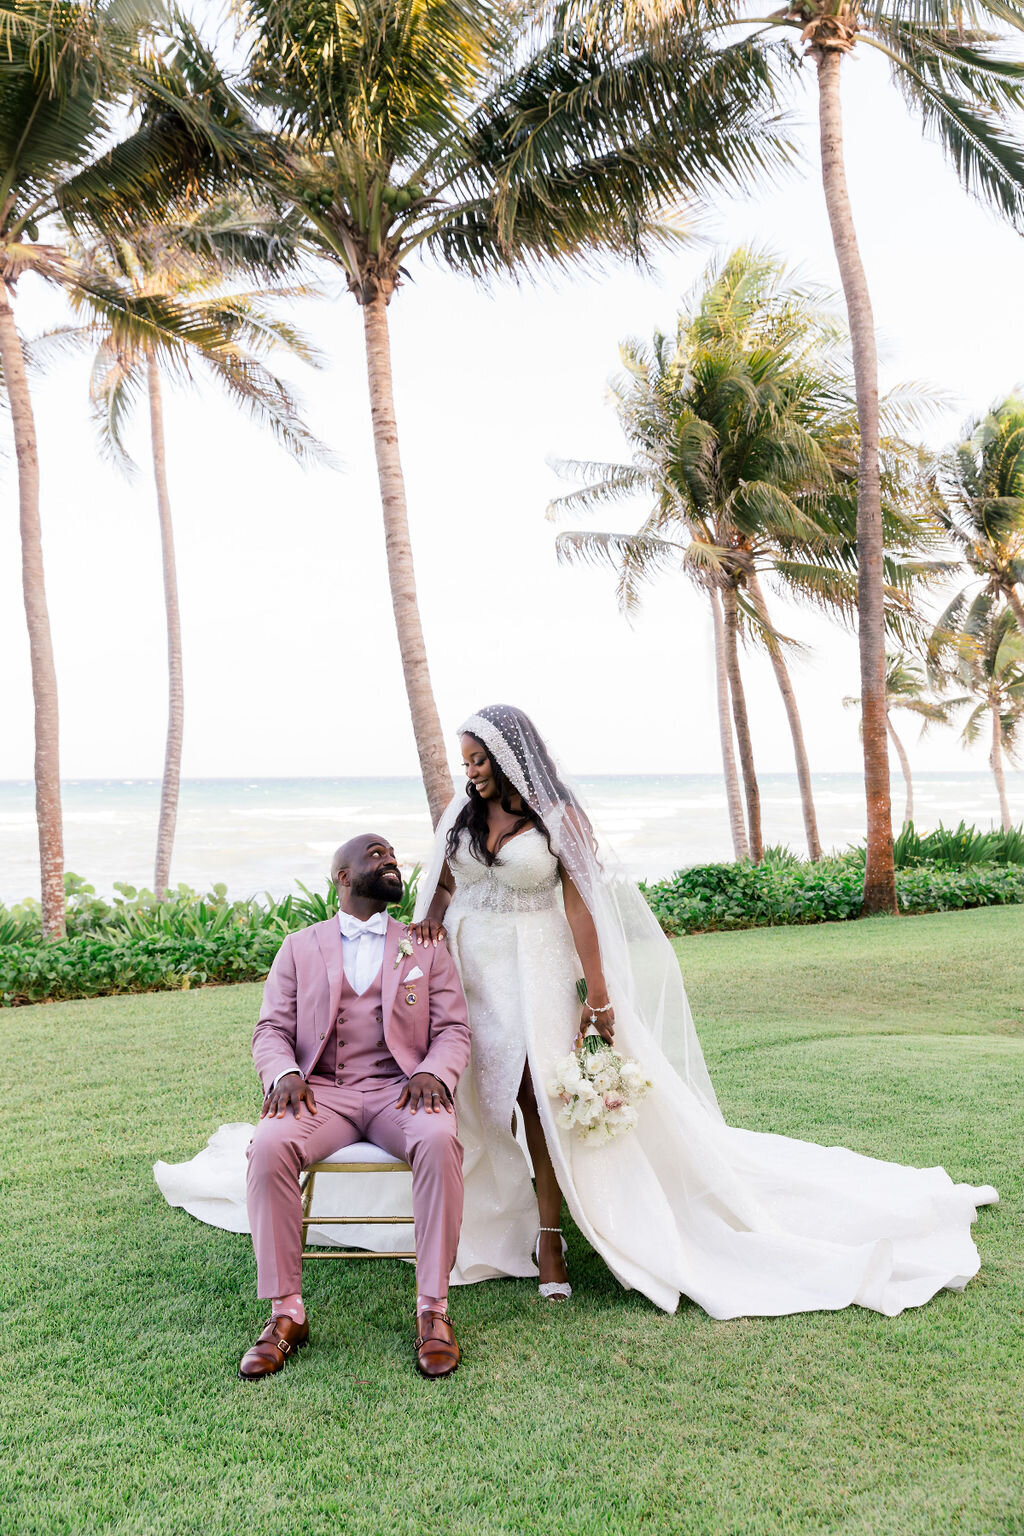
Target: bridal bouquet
598,1090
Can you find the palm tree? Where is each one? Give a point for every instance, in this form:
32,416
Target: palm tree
73,76
981,509
735,428
906,688
989,666
951,64
497,144
184,265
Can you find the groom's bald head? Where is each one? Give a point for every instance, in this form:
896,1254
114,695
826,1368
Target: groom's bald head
366,867
352,852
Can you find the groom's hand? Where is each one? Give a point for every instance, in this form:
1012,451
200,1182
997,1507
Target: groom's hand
427,1090
293,1091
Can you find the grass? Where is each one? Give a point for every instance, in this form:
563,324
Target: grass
120,1408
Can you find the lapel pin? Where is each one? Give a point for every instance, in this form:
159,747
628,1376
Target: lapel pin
410,998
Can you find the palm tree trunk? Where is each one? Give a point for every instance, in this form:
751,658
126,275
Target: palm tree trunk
437,779
175,680
1013,598
782,677
44,676
996,760
901,753
739,710
740,846
879,873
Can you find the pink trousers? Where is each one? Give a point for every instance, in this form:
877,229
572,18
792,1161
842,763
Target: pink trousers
281,1148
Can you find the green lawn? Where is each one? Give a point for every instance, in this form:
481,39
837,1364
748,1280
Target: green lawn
121,1412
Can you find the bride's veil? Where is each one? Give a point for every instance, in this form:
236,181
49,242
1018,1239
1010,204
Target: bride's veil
640,966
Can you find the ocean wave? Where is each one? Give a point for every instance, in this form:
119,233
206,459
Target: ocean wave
295,813
653,810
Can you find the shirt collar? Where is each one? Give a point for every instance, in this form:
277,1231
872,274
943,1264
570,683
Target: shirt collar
352,928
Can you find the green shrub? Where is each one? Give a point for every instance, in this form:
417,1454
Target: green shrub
931,888
18,926
135,943
184,912
721,896
959,847
96,966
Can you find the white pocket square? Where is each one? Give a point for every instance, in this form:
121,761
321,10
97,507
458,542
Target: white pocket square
413,975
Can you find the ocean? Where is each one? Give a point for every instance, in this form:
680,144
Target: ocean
258,835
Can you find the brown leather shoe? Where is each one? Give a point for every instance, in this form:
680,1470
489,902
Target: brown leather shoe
437,1349
279,1340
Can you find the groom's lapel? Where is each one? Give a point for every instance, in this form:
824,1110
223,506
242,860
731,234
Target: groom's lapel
391,970
328,936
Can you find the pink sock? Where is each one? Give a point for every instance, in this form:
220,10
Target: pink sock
289,1306
431,1304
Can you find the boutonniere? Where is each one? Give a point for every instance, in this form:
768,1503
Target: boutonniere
404,952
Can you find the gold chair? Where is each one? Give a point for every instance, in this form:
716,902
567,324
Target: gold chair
361,1157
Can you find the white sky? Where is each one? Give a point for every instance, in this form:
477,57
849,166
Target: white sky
291,662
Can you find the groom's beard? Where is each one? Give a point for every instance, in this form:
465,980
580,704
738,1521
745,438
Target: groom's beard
379,885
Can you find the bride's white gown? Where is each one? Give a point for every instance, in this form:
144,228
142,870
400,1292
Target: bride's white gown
743,1223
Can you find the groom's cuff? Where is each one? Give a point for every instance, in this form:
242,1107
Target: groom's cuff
288,1072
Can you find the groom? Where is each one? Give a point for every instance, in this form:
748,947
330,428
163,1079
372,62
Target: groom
357,1040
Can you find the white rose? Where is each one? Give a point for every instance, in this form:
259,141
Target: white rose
570,1074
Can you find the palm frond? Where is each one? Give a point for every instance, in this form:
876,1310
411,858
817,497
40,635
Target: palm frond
962,95
114,390
617,482
573,155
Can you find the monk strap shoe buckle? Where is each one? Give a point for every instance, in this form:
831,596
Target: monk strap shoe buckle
441,1317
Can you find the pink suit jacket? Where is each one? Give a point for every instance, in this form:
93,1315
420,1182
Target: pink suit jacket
303,993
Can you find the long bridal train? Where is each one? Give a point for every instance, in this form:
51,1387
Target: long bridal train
806,1228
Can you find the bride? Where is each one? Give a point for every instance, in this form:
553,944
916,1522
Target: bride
743,1223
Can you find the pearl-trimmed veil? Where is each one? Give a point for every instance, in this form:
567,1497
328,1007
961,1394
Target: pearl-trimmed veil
640,965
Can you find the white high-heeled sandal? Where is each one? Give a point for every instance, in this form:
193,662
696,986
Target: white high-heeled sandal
552,1290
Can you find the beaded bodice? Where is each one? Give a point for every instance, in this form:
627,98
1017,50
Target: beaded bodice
525,879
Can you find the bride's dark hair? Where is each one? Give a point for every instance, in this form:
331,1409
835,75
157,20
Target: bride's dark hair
473,816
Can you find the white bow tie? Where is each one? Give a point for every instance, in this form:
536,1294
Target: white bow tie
352,928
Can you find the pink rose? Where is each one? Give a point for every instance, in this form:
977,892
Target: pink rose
613,1101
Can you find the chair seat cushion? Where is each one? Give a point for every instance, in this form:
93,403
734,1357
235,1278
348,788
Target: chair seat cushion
361,1152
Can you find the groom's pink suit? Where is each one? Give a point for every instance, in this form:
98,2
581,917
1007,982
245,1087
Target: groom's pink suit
357,1052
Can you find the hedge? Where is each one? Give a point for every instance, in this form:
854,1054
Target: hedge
190,943
725,896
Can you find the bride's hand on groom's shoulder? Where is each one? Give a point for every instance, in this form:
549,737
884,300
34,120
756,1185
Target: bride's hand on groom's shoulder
291,1092
427,932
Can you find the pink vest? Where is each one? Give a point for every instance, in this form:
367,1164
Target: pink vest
355,1049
